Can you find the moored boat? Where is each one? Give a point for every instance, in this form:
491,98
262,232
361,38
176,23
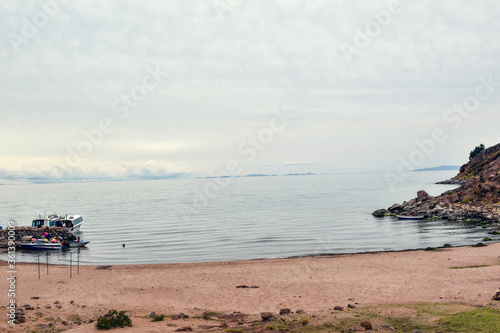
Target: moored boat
75,243
42,244
410,217
69,222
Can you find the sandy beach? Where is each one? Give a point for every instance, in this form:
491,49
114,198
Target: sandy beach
312,284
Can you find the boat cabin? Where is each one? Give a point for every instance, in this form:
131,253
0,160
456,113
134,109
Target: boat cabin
39,223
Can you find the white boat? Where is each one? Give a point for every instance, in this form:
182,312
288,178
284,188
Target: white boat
70,222
75,243
410,217
42,244
42,221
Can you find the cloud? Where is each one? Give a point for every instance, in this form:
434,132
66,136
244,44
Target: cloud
226,76
64,174
286,163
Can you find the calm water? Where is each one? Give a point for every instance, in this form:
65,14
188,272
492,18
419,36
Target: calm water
249,218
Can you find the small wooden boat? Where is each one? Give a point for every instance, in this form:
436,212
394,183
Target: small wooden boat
75,243
410,217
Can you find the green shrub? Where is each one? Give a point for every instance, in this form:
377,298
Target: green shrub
304,321
113,319
159,317
476,151
447,245
466,200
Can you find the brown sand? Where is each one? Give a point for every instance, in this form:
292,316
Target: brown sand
313,284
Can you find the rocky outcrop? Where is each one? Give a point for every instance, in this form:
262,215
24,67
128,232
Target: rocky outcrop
477,199
26,233
480,163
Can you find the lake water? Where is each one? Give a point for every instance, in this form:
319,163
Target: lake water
240,218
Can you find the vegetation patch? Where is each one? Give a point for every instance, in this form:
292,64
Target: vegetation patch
425,317
74,317
476,266
113,319
207,315
159,317
480,320
280,325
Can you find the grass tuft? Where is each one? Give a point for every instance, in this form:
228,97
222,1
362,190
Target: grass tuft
480,320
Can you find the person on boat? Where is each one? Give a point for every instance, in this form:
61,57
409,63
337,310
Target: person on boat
46,235
78,239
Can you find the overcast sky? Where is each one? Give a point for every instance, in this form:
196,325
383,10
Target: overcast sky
162,89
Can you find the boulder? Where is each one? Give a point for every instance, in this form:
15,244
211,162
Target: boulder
395,208
284,311
367,325
453,198
19,315
380,212
266,316
421,195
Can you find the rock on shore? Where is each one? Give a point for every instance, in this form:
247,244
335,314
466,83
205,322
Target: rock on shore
31,232
477,198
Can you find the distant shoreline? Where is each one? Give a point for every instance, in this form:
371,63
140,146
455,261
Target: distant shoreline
441,168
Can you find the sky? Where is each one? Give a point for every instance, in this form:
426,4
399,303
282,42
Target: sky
163,89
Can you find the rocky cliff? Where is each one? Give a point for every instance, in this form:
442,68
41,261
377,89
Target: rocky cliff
477,198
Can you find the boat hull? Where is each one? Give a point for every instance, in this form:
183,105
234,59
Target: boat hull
77,244
410,217
41,246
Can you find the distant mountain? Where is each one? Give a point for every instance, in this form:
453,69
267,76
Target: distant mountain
441,168
301,174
